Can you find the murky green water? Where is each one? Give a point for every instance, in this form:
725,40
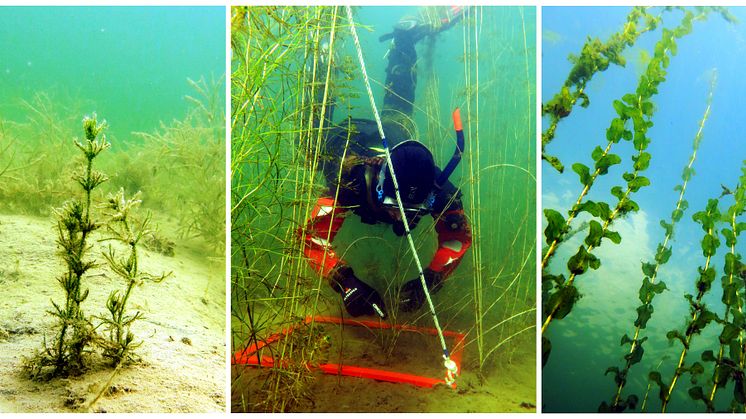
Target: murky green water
485,67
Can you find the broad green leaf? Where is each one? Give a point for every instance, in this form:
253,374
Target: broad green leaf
583,172
603,164
595,233
644,313
642,162
615,237
648,269
729,333
556,226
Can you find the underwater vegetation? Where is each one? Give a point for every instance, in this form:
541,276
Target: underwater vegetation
573,238
76,223
180,168
284,60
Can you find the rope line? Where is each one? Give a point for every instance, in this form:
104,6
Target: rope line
450,365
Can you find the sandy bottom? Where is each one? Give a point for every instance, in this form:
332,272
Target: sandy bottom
183,354
507,388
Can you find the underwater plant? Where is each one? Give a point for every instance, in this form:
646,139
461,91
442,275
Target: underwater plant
123,227
719,366
596,56
559,294
74,227
650,288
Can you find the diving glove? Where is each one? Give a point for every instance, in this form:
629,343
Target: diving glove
360,299
412,296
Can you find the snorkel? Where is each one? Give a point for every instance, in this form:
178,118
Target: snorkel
451,166
444,175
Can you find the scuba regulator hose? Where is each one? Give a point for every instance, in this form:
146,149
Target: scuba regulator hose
449,364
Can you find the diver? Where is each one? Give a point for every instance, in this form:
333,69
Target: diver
365,187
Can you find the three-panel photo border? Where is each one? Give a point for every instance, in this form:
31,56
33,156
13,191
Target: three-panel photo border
372,208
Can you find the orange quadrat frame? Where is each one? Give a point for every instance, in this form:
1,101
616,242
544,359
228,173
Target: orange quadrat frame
250,357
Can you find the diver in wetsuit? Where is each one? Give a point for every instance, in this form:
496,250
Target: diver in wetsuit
367,191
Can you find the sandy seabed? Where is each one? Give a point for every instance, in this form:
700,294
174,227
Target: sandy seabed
508,385
183,329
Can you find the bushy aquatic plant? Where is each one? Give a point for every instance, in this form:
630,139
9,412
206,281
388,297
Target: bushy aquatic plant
74,226
123,227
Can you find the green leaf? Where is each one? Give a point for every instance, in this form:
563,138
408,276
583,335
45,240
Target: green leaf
583,172
644,313
730,264
597,153
621,109
675,334
562,301
625,339
590,207
637,183
730,294
696,393
615,237
647,108
648,269
663,254
687,174
581,261
729,333
710,243
730,238
648,290
630,98
603,164
677,214
618,192
595,233
627,206
615,131
642,162
706,276
667,227
636,355
556,226
655,377
708,356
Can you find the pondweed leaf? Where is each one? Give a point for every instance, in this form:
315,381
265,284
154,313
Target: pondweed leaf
561,302
584,172
644,313
581,261
729,333
603,164
595,233
556,226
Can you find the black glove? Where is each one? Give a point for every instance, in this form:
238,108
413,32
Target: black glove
412,296
360,299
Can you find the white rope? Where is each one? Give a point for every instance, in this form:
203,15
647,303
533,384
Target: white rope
450,365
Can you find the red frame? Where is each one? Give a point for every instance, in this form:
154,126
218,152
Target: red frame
248,356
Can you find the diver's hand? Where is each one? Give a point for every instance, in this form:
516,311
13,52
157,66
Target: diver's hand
360,299
412,296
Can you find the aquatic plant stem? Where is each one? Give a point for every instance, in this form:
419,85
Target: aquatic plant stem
708,219
669,233
605,227
574,211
